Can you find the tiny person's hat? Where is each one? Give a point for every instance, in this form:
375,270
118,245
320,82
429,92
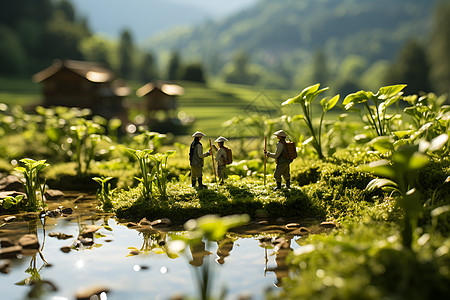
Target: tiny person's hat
198,134
220,139
280,133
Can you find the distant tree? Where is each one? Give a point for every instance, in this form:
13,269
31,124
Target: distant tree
13,13
95,48
439,48
193,72
349,74
12,53
67,8
62,38
239,70
412,68
147,68
173,69
320,68
126,50
375,76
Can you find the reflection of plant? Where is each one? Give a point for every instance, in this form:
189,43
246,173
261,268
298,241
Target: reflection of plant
375,115
33,188
305,99
104,194
400,178
209,227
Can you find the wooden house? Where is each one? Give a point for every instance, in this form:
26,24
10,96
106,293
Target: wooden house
85,85
159,96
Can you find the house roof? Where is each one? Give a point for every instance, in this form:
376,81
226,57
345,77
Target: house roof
167,88
92,71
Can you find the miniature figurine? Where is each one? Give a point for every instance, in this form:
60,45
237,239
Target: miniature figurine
282,160
196,157
222,158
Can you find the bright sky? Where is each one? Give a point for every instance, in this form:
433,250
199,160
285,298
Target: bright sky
147,17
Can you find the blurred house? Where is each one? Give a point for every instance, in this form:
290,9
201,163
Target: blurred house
85,85
159,96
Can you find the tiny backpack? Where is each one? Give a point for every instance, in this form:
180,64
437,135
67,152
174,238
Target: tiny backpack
229,158
291,150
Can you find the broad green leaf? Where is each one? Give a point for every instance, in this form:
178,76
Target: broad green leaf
307,141
302,96
440,210
296,99
21,169
323,103
378,183
310,89
115,123
333,101
382,144
358,97
298,117
438,142
311,96
389,91
392,100
418,160
381,168
170,152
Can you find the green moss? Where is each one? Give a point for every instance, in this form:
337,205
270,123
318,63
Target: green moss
360,262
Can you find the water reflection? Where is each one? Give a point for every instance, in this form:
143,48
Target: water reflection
224,248
97,256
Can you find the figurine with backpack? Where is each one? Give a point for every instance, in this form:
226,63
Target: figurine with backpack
224,157
284,154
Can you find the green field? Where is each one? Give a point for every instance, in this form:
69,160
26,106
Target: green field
209,105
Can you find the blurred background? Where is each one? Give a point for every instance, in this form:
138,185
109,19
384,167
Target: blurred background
347,45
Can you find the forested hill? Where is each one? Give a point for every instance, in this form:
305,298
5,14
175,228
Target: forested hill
273,31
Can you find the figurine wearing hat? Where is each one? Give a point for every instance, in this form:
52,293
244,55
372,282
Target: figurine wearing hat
280,155
196,157
221,158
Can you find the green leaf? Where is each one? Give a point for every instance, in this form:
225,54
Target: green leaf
418,160
358,97
440,210
302,96
381,168
382,144
329,104
21,169
389,91
378,183
333,101
402,133
296,99
438,142
170,152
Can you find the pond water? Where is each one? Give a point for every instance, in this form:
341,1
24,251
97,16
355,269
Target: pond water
130,262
